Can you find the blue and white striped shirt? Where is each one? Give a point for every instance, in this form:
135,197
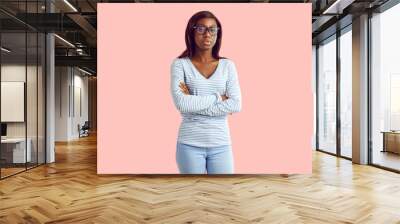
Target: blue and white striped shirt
204,113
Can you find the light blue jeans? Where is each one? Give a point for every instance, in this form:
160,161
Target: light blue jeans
202,160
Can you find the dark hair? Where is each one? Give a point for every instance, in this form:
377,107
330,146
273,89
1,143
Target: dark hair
189,35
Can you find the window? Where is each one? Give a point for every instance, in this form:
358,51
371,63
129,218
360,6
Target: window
327,95
385,88
346,93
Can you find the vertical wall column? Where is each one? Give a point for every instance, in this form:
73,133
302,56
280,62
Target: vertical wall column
92,99
50,92
360,90
314,90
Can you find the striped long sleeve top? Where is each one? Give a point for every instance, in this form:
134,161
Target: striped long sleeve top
204,113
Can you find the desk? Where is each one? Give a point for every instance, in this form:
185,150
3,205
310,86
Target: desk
13,150
391,141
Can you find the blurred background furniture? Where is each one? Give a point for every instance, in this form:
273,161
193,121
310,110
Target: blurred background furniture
391,141
84,130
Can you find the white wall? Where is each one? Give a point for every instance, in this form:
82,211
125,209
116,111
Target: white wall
71,93
62,81
33,127
16,72
81,89
10,73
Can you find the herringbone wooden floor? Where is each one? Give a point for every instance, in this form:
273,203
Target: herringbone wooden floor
69,191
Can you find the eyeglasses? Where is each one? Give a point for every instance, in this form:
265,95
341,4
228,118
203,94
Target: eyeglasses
202,29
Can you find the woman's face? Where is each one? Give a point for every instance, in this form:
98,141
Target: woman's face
207,39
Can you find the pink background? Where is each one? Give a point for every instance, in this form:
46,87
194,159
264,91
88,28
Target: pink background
137,120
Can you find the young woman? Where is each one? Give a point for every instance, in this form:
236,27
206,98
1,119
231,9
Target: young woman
205,89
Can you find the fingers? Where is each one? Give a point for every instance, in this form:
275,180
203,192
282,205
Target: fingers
224,97
184,88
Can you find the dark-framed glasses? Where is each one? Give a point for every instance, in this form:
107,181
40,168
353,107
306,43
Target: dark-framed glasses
202,29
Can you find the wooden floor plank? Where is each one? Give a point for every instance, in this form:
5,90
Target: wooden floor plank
70,191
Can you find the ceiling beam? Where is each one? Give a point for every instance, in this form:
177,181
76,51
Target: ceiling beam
85,61
337,7
86,26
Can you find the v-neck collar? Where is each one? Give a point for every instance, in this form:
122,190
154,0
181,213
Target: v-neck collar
197,71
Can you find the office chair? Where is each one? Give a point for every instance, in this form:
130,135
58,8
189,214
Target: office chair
84,130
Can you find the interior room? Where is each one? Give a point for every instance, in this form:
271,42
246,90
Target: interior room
49,137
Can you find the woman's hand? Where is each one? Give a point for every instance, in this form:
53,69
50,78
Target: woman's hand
184,88
186,91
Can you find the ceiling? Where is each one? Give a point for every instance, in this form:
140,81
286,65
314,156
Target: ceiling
76,22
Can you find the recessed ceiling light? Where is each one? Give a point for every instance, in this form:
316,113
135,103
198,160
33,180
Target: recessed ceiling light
84,71
64,40
70,5
5,49
338,6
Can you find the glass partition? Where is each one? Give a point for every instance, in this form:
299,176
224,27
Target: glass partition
32,96
385,89
22,77
13,104
41,85
346,93
327,95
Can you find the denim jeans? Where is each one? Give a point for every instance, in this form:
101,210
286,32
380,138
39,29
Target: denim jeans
202,160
